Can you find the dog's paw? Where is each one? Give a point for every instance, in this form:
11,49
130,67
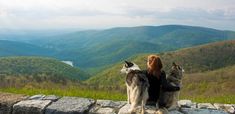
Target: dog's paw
142,112
131,111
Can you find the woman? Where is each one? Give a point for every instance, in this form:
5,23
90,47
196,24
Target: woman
157,80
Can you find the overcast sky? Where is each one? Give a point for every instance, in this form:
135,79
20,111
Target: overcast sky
100,14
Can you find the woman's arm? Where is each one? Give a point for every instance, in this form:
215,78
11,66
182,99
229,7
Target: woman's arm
165,85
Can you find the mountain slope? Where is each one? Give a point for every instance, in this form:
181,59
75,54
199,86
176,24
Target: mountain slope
217,85
197,59
91,48
14,48
39,67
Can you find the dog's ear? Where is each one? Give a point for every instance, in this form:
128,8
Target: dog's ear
174,64
129,64
126,62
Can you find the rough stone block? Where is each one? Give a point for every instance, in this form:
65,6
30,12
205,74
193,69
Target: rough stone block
51,97
37,97
7,101
187,104
109,103
201,111
30,107
111,106
226,107
70,105
175,112
206,106
105,111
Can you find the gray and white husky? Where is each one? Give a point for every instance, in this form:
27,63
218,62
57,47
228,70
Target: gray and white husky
137,86
170,99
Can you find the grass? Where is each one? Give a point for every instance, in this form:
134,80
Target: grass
31,86
111,95
74,91
215,86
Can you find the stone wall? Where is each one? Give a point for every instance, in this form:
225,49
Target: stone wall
51,104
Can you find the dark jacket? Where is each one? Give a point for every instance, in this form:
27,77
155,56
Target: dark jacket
158,84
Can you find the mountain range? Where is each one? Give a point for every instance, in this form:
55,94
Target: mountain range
98,48
101,47
95,50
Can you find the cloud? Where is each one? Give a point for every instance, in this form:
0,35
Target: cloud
111,13
3,13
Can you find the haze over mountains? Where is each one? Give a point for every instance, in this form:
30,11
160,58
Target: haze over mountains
99,48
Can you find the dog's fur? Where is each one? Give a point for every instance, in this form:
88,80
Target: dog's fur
137,86
170,99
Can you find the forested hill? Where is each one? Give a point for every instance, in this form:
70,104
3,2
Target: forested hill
196,59
39,67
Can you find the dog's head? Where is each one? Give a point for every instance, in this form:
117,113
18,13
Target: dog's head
128,66
176,70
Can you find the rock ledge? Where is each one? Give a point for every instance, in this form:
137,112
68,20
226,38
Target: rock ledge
51,104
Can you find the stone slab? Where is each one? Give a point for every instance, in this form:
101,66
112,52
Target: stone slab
175,112
30,107
7,100
37,97
201,111
206,106
105,111
70,105
111,106
187,104
226,107
109,103
51,97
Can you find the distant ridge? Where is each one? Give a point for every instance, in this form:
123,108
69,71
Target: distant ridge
104,47
94,49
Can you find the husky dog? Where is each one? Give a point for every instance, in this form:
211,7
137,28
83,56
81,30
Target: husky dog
168,100
137,86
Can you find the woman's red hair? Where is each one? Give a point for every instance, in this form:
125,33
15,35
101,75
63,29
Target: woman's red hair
154,65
